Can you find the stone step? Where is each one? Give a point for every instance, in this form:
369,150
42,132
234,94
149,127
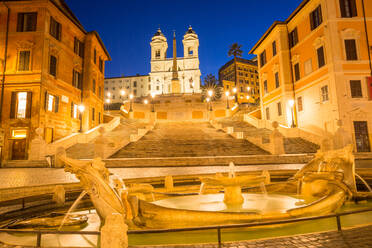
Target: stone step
26,164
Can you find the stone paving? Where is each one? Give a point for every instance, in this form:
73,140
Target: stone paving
360,237
181,139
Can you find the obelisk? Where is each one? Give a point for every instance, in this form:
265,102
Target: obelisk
176,88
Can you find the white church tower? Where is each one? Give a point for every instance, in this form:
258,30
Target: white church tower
162,68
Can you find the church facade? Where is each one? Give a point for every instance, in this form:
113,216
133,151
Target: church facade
178,74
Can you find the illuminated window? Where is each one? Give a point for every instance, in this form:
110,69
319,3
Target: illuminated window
21,106
19,133
50,102
74,110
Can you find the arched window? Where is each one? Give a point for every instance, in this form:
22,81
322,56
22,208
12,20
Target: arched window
190,51
157,54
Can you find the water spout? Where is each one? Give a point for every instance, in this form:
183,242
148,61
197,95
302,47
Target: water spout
263,189
231,170
365,183
72,208
201,188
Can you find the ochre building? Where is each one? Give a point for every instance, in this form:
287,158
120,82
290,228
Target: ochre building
247,83
52,66
315,69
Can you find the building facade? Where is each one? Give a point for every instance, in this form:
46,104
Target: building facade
247,83
162,67
315,69
118,89
51,66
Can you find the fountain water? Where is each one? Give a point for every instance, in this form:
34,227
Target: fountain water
72,208
364,181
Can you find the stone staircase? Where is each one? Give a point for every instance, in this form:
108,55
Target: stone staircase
186,139
26,164
291,145
120,135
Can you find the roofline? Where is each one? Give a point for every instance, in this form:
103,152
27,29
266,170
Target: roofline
101,42
127,76
249,61
275,23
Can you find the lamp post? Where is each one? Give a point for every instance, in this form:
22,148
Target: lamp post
291,105
207,99
227,94
81,108
210,94
152,101
131,103
122,93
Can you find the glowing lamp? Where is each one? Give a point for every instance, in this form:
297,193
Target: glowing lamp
145,101
108,94
210,93
81,108
131,96
234,90
122,92
291,103
227,93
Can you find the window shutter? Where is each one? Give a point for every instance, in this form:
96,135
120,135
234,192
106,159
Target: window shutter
342,8
56,104
13,105
319,10
350,47
312,20
46,100
20,22
353,9
72,110
29,104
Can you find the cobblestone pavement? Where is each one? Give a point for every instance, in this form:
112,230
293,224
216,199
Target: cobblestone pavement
360,237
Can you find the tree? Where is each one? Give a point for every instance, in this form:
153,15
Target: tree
210,83
235,50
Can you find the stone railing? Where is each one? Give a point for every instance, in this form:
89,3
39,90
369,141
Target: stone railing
286,131
39,149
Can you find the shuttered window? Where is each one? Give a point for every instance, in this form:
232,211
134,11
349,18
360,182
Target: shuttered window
26,22
348,8
55,29
296,68
95,56
267,113
101,64
24,61
324,91
265,87
320,54
274,48
277,82
356,88
51,102
279,105
350,50
77,79
263,58
300,106
293,38
93,114
316,18
78,47
53,65
94,86
21,105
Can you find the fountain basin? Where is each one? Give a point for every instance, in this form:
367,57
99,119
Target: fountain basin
257,203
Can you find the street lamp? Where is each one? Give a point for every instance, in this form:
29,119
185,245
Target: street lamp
146,101
152,101
108,94
210,94
207,99
131,103
235,90
291,105
81,109
227,93
122,92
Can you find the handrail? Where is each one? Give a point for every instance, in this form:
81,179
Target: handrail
217,227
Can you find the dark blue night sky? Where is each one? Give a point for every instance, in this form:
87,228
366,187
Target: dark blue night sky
126,27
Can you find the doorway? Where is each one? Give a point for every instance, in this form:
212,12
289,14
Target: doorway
361,136
19,149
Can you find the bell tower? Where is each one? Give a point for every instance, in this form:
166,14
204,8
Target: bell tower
159,46
190,44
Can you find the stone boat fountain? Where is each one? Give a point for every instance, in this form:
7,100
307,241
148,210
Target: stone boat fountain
319,188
